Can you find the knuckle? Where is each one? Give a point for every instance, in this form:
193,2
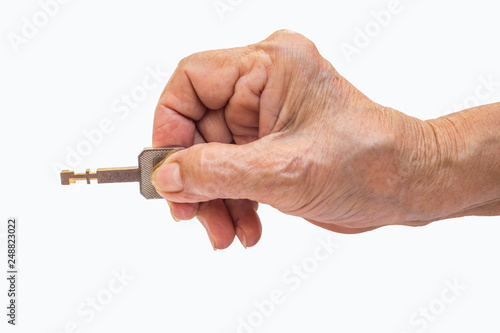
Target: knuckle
281,33
294,38
189,60
209,174
288,175
184,62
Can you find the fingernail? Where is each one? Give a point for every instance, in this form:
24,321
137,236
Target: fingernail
204,223
176,219
241,235
167,178
213,243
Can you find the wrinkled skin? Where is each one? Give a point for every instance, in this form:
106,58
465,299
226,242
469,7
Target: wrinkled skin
285,129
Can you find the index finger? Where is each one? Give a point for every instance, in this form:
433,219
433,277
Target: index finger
203,81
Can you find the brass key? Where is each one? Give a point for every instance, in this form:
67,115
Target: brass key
149,158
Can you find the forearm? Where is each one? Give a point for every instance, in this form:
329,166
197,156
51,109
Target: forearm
466,162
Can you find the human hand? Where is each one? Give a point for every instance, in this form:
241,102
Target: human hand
275,123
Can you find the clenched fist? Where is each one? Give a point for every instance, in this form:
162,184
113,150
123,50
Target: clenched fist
275,123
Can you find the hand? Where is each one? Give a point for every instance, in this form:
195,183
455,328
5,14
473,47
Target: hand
275,123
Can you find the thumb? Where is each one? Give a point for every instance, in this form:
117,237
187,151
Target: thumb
261,171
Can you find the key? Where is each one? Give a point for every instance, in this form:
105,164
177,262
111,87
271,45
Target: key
149,158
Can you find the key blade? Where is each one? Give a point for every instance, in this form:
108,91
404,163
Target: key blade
149,159
118,175
103,175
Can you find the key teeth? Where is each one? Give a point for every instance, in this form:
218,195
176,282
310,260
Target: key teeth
66,177
70,177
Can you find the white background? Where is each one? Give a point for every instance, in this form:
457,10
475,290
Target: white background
65,79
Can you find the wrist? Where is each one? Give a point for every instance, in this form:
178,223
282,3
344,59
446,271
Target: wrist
469,143
453,168
419,160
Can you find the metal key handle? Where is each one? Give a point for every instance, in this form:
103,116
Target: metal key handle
149,158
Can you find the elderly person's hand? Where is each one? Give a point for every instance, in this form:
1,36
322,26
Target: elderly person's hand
275,123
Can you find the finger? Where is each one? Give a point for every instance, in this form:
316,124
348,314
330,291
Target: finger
172,129
205,81
242,110
212,126
183,211
201,81
214,216
247,224
262,171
